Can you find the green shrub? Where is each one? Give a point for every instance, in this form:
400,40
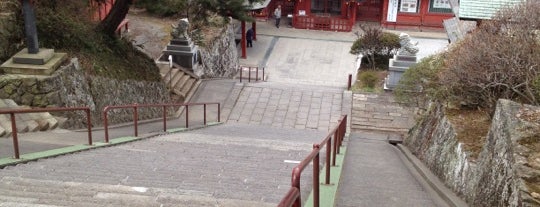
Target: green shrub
374,42
368,78
390,43
163,8
536,87
381,62
420,82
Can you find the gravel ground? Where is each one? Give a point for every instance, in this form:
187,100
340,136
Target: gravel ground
150,33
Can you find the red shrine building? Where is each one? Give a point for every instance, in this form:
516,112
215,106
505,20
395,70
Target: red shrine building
341,15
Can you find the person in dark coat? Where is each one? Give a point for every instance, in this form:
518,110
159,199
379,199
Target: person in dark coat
249,37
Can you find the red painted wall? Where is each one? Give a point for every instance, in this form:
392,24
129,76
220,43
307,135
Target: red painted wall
423,18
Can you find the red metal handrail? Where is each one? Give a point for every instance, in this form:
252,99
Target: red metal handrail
249,72
290,197
12,113
338,133
164,105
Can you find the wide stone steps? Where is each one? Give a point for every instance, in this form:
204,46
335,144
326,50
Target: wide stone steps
225,165
380,112
181,83
24,191
26,122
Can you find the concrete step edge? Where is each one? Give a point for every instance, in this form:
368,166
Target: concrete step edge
181,82
188,97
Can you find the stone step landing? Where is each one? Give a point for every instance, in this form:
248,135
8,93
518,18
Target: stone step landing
181,83
380,112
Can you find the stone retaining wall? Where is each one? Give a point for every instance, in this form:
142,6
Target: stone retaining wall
220,58
70,87
507,171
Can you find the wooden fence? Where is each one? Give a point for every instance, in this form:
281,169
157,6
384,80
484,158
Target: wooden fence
322,23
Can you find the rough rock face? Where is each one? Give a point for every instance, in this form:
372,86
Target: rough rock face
508,166
507,171
220,58
433,140
11,33
106,91
66,87
69,87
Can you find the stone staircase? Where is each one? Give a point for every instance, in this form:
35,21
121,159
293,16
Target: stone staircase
34,192
181,83
28,122
226,165
379,111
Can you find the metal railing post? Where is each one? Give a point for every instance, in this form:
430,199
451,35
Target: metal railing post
89,126
187,116
218,112
14,134
316,176
204,106
263,74
135,119
328,157
241,71
164,118
105,124
257,73
249,74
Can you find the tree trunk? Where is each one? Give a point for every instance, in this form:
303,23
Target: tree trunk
115,17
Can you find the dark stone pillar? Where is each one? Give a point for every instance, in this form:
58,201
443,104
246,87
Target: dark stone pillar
30,27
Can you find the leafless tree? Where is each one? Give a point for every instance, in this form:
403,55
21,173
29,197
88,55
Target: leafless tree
498,60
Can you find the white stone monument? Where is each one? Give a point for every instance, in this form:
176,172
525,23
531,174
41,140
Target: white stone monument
405,58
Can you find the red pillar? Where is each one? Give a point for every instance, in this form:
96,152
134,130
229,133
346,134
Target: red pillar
243,40
345,10
355,6
384,14
254,26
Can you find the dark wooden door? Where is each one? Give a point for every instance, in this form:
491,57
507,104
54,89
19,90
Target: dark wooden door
369,10
287,7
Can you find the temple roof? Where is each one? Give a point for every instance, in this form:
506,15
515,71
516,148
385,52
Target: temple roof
483,9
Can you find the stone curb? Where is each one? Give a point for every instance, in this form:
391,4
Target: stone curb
428,180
